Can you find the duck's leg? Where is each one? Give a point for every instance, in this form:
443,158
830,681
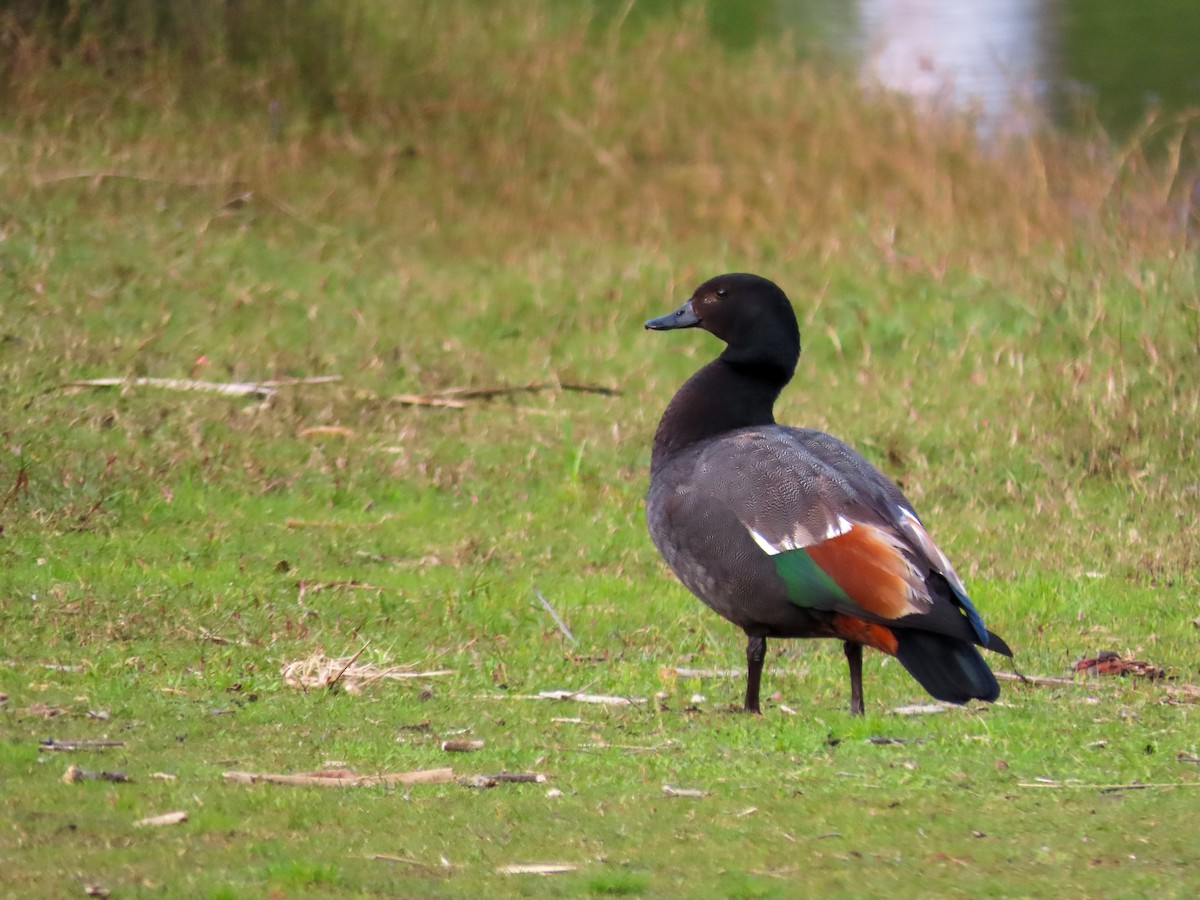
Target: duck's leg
756,652
853,653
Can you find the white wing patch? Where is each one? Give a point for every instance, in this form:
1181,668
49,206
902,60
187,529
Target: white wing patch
799,537
912,528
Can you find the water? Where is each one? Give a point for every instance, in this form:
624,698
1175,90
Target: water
1017,64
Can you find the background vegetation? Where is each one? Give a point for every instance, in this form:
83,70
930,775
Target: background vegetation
417,196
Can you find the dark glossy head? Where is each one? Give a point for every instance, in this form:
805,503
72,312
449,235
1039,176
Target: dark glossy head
749,313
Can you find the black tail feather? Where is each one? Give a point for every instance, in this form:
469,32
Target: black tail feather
948,668
997,645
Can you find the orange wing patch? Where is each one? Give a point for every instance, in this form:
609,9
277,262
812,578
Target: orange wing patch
880,637
867,563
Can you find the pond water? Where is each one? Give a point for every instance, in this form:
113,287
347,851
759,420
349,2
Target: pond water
1015,63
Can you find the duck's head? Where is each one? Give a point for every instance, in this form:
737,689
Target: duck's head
749,313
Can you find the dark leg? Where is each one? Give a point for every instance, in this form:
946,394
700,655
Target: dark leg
853,653
756,652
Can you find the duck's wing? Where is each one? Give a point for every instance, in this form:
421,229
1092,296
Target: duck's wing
842,537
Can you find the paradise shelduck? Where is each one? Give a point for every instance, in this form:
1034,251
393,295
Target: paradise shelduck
789,532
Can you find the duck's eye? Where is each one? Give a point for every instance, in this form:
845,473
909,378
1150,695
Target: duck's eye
720,292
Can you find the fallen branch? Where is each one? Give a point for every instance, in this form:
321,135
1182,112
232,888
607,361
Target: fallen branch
262,389
344,778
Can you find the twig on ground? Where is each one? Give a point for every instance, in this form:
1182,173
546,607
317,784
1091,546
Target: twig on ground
536,868
349,662
1105,788
52,744
670,791
487,781
42,711
344,778
97,176
328,431
1040,680
923,709
74,774
562,626
262,389
1187,691
443,868
171,818
685,672
602,699
426,400
461,746
456,397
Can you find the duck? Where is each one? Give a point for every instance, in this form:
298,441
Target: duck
790,532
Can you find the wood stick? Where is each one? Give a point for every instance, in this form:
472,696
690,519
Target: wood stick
52,744
349,663
171,818
425,400
536,868
670,791
1106,788
488,781
345,779
602,699
261,389
454,397
686,672
562,626
74,774
461,745
1039,680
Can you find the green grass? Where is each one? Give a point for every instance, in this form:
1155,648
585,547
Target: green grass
1010,332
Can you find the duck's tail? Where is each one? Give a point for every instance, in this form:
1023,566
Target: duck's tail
948,668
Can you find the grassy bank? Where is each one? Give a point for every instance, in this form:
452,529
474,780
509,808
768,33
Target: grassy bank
499,197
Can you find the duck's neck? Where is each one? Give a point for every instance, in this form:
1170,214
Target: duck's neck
721,397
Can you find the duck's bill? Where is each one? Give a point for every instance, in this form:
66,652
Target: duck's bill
684,317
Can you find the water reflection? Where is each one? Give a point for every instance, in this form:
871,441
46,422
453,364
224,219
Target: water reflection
987,56
1012,61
